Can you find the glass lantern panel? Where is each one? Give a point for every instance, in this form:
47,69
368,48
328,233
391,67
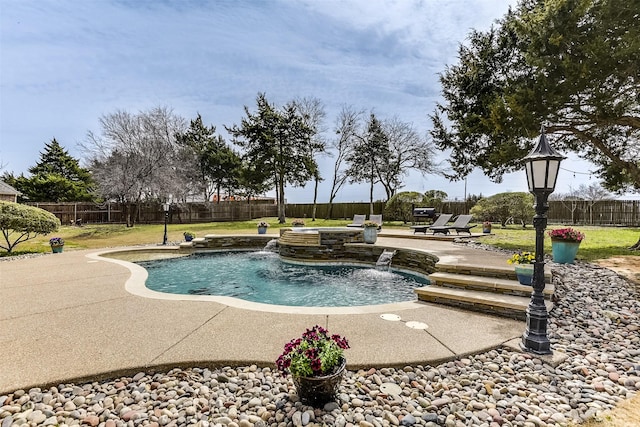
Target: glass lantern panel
529,171
539,172
554,165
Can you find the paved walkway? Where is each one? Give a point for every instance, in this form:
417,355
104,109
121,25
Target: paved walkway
70,316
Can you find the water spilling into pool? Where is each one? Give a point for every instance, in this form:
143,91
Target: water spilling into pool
262,277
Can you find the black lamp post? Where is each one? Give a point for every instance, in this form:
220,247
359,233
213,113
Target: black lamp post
542,166
166,207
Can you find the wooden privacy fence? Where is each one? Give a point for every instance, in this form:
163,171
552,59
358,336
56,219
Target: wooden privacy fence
606,212
149,213
609,212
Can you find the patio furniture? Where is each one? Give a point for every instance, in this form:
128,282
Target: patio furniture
437,224
377,219
461,224
358,220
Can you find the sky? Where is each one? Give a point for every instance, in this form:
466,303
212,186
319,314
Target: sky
66,63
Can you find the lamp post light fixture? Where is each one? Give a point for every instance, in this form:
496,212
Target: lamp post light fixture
165,206
542,165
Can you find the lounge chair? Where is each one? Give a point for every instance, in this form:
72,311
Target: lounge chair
358,220
437,225
461,224
377,219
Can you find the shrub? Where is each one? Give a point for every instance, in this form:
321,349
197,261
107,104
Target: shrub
20,223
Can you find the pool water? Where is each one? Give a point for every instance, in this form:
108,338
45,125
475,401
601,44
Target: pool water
263,277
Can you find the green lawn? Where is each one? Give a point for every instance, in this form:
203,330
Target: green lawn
600,242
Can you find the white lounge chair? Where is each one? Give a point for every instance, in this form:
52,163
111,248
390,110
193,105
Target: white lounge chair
377,219
358,220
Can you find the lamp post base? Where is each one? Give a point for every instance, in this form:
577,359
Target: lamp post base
539,346
535,338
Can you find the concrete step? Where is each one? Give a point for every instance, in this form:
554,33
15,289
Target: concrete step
500,304
485,283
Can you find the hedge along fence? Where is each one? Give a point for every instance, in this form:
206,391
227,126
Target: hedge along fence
608,212
339,211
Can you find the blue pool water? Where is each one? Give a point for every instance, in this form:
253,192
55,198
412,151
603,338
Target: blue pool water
263,277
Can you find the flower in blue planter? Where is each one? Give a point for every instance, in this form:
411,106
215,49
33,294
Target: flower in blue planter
56,241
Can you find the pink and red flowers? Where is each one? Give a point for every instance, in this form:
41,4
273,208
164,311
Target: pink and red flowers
315,353
566,234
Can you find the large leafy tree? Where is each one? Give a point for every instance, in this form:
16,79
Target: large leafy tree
56,177
573,65
505,207
278,141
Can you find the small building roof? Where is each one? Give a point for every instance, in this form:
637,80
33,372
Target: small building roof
7,189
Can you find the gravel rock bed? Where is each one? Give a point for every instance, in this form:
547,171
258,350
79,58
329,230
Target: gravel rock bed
595,321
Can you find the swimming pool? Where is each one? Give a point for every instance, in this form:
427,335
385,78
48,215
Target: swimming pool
263,277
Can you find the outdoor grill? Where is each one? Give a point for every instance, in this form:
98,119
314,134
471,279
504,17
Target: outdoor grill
424,214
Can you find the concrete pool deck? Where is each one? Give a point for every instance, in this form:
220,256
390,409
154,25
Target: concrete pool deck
69,317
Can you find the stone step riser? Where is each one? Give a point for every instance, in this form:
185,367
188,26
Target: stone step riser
493,272
483,308
513,288
491,290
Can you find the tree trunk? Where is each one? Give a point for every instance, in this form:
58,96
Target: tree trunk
315,201
330,210
371,198
281,214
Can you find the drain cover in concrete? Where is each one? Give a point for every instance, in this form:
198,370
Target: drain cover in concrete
392,317
416,325
390,388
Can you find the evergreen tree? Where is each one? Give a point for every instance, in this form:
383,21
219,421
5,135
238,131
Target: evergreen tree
278,141
217,164
572,65
56,177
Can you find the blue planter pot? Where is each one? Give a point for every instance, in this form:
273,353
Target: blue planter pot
57,249
524,273
564,252
262,230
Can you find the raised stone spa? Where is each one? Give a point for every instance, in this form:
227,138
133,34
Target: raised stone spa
322,245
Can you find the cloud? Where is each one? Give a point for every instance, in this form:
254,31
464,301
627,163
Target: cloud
64,63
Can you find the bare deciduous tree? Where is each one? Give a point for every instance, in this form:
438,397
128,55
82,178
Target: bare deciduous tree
407,150
313,115
132,158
